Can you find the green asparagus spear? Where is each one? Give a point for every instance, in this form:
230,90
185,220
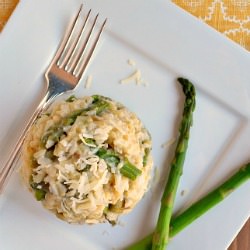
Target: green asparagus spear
160,238
200,207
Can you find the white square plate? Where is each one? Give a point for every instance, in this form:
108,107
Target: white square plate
165,42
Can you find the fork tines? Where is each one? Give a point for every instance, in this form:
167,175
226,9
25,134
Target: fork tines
79,45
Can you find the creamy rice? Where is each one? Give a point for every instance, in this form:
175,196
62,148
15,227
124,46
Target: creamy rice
88,160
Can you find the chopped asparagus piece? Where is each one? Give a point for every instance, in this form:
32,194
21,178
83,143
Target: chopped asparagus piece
109,155
91,142
55,132
145,157
113,159
40,189
130,171
118,207
99,105
40,194
50,154
71,98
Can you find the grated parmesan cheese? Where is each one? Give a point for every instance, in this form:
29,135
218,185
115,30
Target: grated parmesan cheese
131,62
135,76
168,143
88,82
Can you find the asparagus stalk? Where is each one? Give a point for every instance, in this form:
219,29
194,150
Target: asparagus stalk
160,237
200,207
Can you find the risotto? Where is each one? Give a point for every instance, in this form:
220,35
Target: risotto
87,160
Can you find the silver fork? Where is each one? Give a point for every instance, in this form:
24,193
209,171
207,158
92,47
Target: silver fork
63,74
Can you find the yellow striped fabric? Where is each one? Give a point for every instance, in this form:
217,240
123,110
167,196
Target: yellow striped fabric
6,9
230,17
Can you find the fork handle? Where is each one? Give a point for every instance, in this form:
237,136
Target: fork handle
8,168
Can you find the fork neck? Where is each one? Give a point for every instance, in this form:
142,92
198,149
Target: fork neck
56,86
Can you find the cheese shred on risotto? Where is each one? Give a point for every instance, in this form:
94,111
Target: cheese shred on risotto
88,160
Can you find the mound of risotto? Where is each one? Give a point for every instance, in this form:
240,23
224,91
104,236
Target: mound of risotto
87,160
